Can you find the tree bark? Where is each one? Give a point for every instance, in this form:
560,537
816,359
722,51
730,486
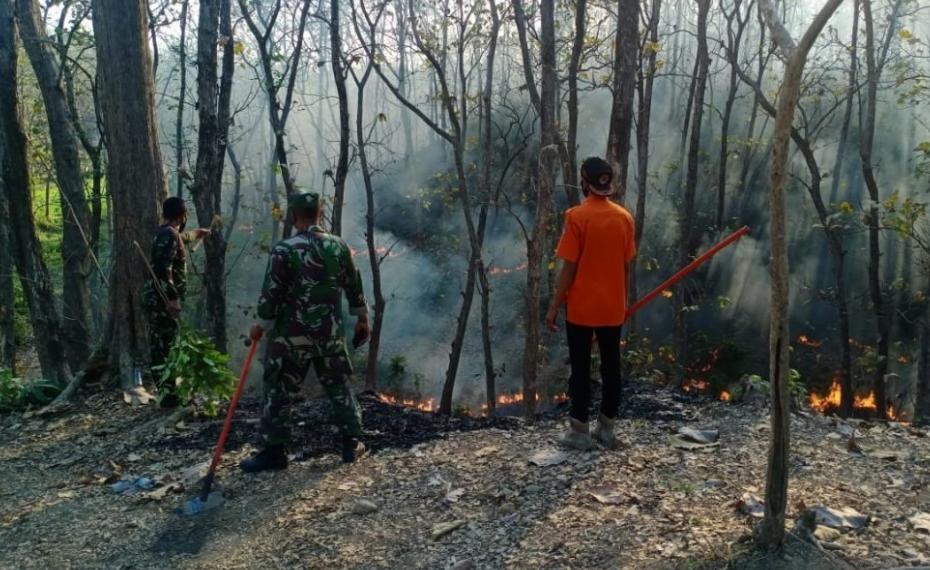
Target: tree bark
339,76
645,83
866,142
75,248
687,213
27,250
624,85
213,96
734,39
7,296
136,180
570,173
487,152
771,532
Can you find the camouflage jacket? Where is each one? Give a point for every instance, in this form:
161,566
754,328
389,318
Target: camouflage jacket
169,263
301,293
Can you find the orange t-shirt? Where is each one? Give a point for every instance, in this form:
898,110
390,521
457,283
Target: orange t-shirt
598,236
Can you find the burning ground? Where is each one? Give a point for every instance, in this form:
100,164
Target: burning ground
463,492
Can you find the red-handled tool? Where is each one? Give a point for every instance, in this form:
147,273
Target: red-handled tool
727,241
205,501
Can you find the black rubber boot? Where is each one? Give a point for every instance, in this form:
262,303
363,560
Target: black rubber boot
352,449
271,458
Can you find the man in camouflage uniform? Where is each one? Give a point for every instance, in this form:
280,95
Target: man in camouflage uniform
300,305
163,294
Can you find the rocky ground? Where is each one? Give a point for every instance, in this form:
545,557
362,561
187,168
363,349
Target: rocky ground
462,493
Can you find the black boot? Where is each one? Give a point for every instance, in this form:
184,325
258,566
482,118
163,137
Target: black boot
352,449
272,457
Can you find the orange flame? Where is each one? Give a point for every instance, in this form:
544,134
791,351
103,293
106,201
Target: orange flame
725,396
507,270
807,341
427,405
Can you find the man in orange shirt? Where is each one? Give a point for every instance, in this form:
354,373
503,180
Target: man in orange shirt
597,245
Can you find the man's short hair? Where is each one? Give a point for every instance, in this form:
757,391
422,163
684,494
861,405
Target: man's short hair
173,208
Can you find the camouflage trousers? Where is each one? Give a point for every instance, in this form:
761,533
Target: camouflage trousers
285,370
163,329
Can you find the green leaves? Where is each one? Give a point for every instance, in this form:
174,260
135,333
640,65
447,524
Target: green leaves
196,372
19,394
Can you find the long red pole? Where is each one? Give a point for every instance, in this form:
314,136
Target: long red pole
233,403
688,269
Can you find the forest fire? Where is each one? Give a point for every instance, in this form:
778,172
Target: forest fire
424,405
832,400
725,396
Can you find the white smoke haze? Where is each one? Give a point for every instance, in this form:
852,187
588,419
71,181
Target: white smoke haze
418,213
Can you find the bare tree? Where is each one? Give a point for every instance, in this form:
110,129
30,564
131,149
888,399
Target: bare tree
339,77
686,218
181,172
624,85
26,248
213,108
75,245
7,296
772,530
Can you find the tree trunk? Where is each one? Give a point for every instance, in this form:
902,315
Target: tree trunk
7,296
27,250
339,76
180,170
687,214
771,532
75,247
536,246
136,180
487,162
647,73
624,84
213,98
922,405
735,39
866,141
570,172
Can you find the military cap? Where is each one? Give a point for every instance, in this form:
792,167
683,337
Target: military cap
304,200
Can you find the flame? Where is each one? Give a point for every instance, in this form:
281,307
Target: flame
426,405
724,396
904,359
668,294
807,341
896,415
833,399
695,385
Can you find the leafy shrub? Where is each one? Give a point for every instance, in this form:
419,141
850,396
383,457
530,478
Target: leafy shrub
19,394
196,372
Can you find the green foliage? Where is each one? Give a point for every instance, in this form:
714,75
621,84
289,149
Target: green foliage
18,394
197,372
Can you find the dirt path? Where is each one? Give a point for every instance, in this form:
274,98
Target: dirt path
655,506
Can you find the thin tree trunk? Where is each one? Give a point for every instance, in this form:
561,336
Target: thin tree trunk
180,170
687,214
213,96
624,85
772,530
134,173
339,76
7,297
735,40
230,225
75,248
866,141
922,405
536,246
570,172
27,250
487,162
647,72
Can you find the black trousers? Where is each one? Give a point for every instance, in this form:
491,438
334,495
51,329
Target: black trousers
579,384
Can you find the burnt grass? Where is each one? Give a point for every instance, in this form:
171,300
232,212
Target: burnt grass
393,426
